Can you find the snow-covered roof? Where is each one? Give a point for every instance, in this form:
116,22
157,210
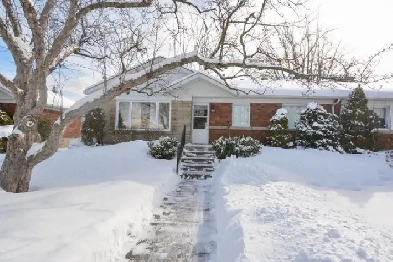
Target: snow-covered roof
53,100
288,89
294,89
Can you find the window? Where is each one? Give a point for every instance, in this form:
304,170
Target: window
293,114
241,115
143,115
382,114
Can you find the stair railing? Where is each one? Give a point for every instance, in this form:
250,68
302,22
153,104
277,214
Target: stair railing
180,148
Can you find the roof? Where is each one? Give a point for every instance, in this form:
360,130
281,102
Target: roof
288,89
54,101
97,86
294,89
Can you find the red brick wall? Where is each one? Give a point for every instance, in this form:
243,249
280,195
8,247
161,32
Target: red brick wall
72,131
222,115
261,113
386,141
9,108
327,107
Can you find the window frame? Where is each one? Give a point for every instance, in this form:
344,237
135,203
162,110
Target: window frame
387,116
302,107
157,114
249,114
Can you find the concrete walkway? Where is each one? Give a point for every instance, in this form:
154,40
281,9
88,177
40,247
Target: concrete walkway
183,228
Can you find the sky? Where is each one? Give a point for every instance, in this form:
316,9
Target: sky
362,26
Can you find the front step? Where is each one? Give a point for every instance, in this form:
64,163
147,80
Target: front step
197,161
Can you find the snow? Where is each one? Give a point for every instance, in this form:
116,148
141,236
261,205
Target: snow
34,149
280,113
6,131
304,205
82,204
312,105
24,47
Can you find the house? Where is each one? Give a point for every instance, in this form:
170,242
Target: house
52,111
209,109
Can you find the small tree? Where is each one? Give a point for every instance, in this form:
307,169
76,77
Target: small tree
93,128
279,134
360,124
318,129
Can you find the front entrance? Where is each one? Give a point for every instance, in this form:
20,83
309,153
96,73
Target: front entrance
200,124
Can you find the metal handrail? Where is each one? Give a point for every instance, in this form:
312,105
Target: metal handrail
180,148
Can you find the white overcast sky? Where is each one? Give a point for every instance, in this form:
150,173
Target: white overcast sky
362,26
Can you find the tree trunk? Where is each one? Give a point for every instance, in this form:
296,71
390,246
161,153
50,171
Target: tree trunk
16,170
15,174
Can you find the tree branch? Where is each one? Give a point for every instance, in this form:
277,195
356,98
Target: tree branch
11,42
46,13
15,24
75,17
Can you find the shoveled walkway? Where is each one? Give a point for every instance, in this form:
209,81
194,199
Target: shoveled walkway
183,226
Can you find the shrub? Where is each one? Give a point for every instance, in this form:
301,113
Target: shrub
240,147
163,148
279,134
318,129
5,119
93,128
3,144
360,124
44,127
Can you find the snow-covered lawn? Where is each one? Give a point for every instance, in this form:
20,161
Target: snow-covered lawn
305,205
82,203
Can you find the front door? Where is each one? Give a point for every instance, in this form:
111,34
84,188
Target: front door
200,124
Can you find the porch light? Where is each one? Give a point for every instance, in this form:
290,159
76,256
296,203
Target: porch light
212,108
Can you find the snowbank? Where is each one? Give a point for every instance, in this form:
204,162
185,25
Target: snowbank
306,205
82,204
6,131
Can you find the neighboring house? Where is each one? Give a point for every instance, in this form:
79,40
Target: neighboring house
210,109
52,111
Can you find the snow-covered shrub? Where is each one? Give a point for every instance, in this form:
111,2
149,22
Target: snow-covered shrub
240,147
163,148
318,129
279,134
360,124
5,119
93,128
44,127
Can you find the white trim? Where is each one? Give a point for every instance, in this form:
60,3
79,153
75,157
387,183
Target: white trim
249,113
142,101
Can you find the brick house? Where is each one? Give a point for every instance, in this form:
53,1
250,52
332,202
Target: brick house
51,111
210,110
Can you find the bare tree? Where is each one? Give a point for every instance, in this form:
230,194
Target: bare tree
232,38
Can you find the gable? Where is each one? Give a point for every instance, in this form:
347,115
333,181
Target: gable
5,97
200,86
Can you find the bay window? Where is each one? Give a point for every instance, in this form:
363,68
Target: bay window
241,115
143,115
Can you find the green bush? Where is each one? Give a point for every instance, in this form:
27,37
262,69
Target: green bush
5,119
3,144
93,128
44,127
238,146
279,134
318,129
163,148
360,124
